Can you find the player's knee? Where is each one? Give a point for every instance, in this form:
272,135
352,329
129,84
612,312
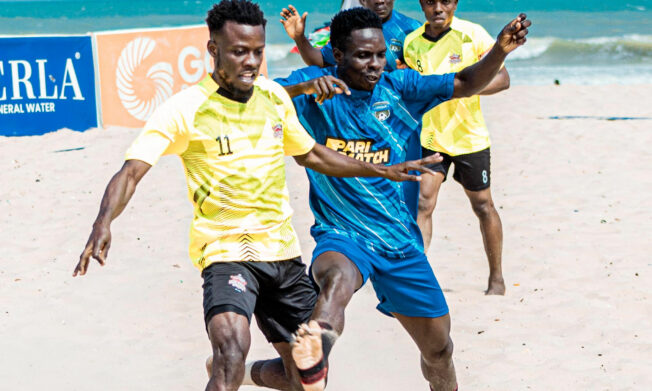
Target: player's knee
229,340
438,352
231,351
427,203
483,208
336,281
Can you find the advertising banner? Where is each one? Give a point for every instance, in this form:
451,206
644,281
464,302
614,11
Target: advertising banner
46,83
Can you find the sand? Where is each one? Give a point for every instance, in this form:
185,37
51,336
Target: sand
574,195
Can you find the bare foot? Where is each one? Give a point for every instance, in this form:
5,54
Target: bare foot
496,286
209,365
309,356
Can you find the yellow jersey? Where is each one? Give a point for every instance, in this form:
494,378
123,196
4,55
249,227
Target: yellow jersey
455,127
233,155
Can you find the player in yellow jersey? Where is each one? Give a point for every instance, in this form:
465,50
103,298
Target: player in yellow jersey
232,131
457,129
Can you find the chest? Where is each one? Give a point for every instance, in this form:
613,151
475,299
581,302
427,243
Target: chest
450,54
375,129
236,132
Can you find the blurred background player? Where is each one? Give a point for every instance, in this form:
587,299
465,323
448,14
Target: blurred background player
396,27
456,129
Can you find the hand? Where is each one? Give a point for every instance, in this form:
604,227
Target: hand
97,247
325,87
400,64
295,25
513,35
399,172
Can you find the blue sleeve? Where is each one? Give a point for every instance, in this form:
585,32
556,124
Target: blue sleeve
327,55
422,93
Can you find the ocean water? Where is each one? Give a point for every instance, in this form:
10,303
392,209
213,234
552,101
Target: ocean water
575,42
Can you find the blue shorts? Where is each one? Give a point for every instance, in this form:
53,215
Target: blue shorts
405,286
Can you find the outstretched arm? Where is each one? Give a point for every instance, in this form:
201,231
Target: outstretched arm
116,196
326,161
295,27
325,87
473,79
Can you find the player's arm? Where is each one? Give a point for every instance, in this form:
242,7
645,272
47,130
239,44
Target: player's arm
473,79
295,27
326,161
325,87
116,196
499,83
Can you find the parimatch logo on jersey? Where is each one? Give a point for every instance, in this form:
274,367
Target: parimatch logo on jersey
358,149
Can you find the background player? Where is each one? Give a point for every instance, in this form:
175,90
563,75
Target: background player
396,27
231,132
457,129
363,228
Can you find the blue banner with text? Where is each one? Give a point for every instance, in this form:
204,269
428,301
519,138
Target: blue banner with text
46,83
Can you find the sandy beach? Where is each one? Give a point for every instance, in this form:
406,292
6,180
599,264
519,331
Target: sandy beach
574,195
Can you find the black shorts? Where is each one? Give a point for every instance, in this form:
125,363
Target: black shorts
472,170
279,293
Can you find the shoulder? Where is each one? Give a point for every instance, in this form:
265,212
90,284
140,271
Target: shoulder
414,36
272,90
184,102
399,78
466,27
406,22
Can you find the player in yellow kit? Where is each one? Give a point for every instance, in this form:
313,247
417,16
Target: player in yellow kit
457,129
232,131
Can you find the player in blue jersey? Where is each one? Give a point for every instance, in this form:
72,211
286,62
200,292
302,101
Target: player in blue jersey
396,27
363,228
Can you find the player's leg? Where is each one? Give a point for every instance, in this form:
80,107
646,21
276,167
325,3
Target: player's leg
492,237
428,193
230,340
282,307
473,171
340,267
230,294
407,289
432,336
338,278
279,373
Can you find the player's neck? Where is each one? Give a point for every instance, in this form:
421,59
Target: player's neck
435,33
229,92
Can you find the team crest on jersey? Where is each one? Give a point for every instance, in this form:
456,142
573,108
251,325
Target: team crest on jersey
455,58
238,282
381,110
395,45
278,130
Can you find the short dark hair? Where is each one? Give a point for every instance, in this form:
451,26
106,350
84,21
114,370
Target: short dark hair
239,11
344,22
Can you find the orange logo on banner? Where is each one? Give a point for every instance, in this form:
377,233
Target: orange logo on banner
139,70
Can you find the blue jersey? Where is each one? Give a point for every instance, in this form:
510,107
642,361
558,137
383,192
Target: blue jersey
373,126
395,29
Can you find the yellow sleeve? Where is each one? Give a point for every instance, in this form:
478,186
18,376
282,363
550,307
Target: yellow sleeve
482,41
164,133
296,140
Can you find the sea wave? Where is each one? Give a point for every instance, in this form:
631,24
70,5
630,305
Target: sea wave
277,51
630,49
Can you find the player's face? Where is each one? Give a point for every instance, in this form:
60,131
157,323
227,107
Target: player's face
382,8
363,61
439,13
237,51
